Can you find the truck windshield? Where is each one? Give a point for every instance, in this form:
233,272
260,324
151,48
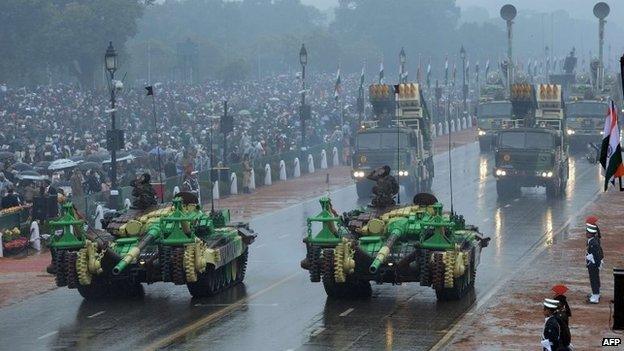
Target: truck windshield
587,109
381,140
526,140
494,110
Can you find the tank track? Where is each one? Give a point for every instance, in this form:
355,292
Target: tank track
437,271
58,261
348,290
178,274
314,261
423,264
164,256
214,281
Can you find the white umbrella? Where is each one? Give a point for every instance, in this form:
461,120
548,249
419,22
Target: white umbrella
63,163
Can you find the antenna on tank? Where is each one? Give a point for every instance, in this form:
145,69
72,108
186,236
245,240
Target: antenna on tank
398,178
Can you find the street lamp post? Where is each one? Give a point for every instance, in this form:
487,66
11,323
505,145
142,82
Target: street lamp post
508,13
462,54
601,11
402,60
303,60
114,137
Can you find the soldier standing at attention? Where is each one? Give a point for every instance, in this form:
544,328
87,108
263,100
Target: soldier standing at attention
593,257
551,336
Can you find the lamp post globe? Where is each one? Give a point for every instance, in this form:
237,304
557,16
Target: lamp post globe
110,58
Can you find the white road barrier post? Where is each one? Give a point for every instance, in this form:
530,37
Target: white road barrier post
446,127
215,190
127,204
233,184
469,121
297,170
323,159
282,171
452,126
457,124
1,246
440,129
310,163
433,130
35,238
464,125
267,174
335,157
252,181
99,215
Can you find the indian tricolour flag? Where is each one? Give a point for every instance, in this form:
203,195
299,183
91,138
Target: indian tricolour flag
610,152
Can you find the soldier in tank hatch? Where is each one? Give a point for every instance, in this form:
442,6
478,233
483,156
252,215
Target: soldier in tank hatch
143,193
385,189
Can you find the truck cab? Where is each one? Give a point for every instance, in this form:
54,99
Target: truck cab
585,121
398,135
530,157
534,152
492,116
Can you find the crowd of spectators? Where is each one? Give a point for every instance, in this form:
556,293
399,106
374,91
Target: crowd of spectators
48,123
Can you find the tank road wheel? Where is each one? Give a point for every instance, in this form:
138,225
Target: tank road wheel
58,261
460,285
204,286
348,290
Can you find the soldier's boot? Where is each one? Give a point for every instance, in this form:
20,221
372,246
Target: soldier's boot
594,298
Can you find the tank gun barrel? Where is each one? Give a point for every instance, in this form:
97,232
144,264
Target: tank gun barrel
382,255
134,253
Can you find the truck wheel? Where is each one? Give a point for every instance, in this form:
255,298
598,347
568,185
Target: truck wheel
364,190
503,189
553,190
484,146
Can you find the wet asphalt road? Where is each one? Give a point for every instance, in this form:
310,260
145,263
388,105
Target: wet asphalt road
279,309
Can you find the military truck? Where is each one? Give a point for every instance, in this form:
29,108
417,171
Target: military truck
403,143
493,111
585,113
396,245
176,242
534,152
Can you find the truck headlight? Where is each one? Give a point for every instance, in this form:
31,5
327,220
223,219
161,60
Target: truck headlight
547,174
501,172
482,132
403,173
571,131
358,174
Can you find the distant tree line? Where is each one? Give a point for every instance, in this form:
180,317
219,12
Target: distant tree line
194,40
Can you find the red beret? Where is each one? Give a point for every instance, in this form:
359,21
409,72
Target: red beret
591,220
559,289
